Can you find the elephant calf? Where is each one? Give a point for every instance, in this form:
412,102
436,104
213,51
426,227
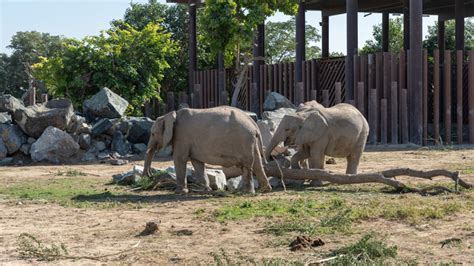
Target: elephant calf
338,131
222,135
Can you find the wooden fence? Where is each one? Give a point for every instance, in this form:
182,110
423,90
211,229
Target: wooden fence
381,92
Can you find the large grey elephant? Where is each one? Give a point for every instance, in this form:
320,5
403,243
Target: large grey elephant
338,131
222,135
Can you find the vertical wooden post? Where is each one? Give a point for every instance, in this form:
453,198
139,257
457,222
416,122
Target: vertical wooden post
275,78
326,98
325,36
308,79
471,97
436,93
416,71
406,26
379,75
356,77
44,97
192,46
254,106
32,96
258,53
404,116
459,98
441,39
425,97
224,100
337,93
352,40
447,96
221,72
360,97
370,72
197,96
363,78
387,86
183,97
292,90
170,101
383,121
394,112
401,82
459,18
314,77
385,31
300,93
373,114
313,95
300,41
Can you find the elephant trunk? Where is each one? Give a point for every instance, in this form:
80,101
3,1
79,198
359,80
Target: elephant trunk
279,136
150,153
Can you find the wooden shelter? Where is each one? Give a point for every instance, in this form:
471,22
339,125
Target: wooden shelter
305,79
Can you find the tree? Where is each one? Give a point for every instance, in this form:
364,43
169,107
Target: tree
280,41
395,37
28,47
128,61
431,40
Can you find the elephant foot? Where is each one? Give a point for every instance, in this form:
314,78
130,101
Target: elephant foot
181,191
316,183
266,188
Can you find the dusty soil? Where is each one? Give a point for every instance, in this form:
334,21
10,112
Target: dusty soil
96,232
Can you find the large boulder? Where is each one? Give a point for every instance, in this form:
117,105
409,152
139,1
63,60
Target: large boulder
10,104
53,145
33,120
120,144
275,101
274,118
139,131
5,118
101,126
3,150
105,104
12,137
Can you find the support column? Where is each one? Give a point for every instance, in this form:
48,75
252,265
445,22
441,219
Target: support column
300,47
351,12
441,40
192,46
325,36
259,57
385,31
459,16
416,68
406,26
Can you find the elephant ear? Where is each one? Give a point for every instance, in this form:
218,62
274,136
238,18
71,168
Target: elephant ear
314,126
168,125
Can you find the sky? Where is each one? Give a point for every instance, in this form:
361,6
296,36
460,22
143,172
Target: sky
80,18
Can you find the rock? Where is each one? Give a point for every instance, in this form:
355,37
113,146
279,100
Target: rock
10,104
166,151
189,173
30,140
235,184
122,125
5,118
76,124
275,182
12,137
265,132
275,101
252,115
139,148
274,117
331,161
85,141
129,178
103,156
105,104
3,150
183,105
25,148
140,129
217,179
118,162
101,126
53,145
33,120
6,161
87,157
99,146
120,144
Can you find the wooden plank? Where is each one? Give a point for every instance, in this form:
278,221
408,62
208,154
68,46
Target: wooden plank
261,89
364,80
373,113
304,81
394,113
280,79
404,115
401,81
387,59
275,78
371,71
459,98
379,75
308,80
326,98
300,86
337,93
254,98
447,96
224,100
314,79
425,98
436,93
313,95
471,97
285,80
291,73
360,97
197,96
356,76
383,121
170,101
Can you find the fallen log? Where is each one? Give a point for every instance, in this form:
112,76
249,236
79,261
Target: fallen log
386,177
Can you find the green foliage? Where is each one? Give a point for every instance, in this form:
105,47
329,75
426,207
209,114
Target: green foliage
280,41
70,172
28,47
395,37
366,251
31,248
222,257
130,62
431,40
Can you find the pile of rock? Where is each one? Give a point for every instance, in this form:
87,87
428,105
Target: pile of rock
54,132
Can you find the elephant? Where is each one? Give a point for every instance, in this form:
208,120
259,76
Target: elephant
223,135
338,131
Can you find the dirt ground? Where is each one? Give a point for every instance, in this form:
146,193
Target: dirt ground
108,234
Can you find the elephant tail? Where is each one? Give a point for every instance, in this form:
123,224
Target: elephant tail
260,148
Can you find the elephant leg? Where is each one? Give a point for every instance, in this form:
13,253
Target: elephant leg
201,175
316,161
300,156
248,185
353,163
181,180
260,173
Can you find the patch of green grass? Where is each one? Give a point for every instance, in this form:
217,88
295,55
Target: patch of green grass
222,258
63,191
30,247
70,172
367,251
